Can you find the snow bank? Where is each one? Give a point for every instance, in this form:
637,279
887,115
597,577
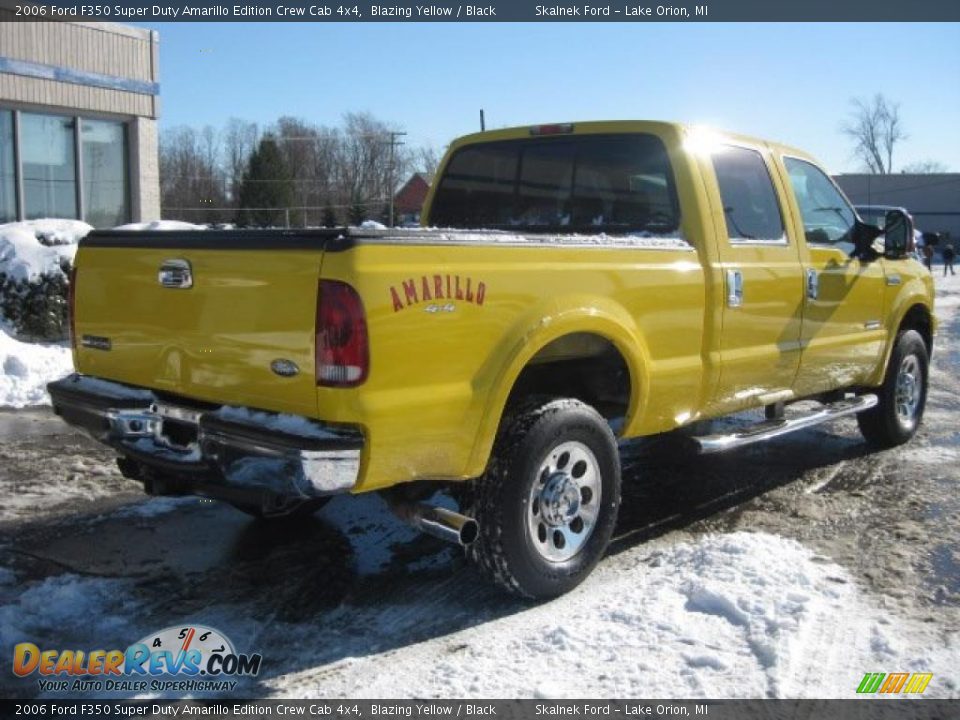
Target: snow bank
32,252
26,368
38,247
372,225
66,609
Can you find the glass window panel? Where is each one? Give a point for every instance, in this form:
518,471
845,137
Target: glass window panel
49,166
827,218
8,190
105,191
750,204
615,183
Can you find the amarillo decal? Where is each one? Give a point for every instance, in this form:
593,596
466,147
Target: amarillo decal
428,288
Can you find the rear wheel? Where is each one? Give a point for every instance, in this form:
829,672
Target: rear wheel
902,396
548,503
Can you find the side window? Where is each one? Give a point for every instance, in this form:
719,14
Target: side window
750,205
827,218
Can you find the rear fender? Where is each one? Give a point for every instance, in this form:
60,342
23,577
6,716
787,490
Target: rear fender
540,325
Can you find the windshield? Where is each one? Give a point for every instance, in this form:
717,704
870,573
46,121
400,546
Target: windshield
591,183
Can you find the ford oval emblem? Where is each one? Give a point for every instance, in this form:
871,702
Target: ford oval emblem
284,368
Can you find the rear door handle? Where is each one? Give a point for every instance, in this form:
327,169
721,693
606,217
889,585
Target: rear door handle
813,284
734,288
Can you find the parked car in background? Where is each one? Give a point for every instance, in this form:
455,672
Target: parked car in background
877,215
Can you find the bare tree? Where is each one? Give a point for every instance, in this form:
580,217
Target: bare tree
875,128
191,181
925,167
333,171
427,160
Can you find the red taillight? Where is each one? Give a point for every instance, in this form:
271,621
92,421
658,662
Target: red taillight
343,354
71,306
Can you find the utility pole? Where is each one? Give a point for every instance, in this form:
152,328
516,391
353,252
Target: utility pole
393,146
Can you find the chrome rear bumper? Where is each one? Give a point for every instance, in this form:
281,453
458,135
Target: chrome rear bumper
287,456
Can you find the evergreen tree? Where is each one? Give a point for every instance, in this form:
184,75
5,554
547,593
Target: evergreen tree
358,212
267,186
329,217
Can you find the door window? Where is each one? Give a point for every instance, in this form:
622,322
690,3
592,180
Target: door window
750,205
827,218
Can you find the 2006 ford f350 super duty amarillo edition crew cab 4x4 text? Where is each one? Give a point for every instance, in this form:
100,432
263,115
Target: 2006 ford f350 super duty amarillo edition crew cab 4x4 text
575,283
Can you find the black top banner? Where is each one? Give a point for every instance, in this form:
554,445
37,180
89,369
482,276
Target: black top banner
497,11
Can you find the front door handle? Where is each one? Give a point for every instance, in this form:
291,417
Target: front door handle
734,288
813,284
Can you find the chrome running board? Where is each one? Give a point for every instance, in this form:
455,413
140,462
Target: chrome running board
769,429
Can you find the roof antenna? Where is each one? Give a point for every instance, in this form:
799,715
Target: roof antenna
483,124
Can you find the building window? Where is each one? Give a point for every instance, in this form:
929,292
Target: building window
48,158
8,178
105,189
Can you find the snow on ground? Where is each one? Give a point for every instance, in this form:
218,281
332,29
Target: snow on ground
737,615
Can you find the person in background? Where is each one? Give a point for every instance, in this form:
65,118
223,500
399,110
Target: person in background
927,251
948,256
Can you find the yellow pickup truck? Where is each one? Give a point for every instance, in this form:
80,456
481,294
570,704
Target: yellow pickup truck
574,284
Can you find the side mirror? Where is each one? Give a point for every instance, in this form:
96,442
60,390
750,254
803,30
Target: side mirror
897,234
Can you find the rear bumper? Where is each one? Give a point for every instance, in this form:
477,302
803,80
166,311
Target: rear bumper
205,450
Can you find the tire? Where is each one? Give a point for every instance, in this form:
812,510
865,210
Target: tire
548,503
902,396
303,510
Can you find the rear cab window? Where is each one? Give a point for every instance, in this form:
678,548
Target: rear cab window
574,183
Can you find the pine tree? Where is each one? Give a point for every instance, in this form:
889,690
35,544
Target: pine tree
329,217
267,186
357,213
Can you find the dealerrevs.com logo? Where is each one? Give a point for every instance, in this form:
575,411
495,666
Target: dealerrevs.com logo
181,659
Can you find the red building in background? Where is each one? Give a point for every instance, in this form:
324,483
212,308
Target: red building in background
408,202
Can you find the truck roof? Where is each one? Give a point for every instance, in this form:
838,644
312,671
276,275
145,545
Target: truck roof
657,127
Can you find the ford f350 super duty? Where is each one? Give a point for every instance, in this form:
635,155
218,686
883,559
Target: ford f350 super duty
575,284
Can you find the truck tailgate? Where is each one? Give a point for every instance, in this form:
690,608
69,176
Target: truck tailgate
251,302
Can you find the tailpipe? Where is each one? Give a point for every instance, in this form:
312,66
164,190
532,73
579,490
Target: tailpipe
438,522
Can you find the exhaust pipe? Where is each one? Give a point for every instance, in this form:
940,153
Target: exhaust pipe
438,522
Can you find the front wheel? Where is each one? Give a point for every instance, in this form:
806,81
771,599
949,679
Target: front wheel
548,504
902,396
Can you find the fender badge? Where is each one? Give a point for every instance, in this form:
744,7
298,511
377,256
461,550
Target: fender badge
284,368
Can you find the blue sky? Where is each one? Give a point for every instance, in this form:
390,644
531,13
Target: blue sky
789,82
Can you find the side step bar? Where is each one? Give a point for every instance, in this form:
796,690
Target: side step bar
768,429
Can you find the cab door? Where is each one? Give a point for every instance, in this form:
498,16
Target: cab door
759,343
843,333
